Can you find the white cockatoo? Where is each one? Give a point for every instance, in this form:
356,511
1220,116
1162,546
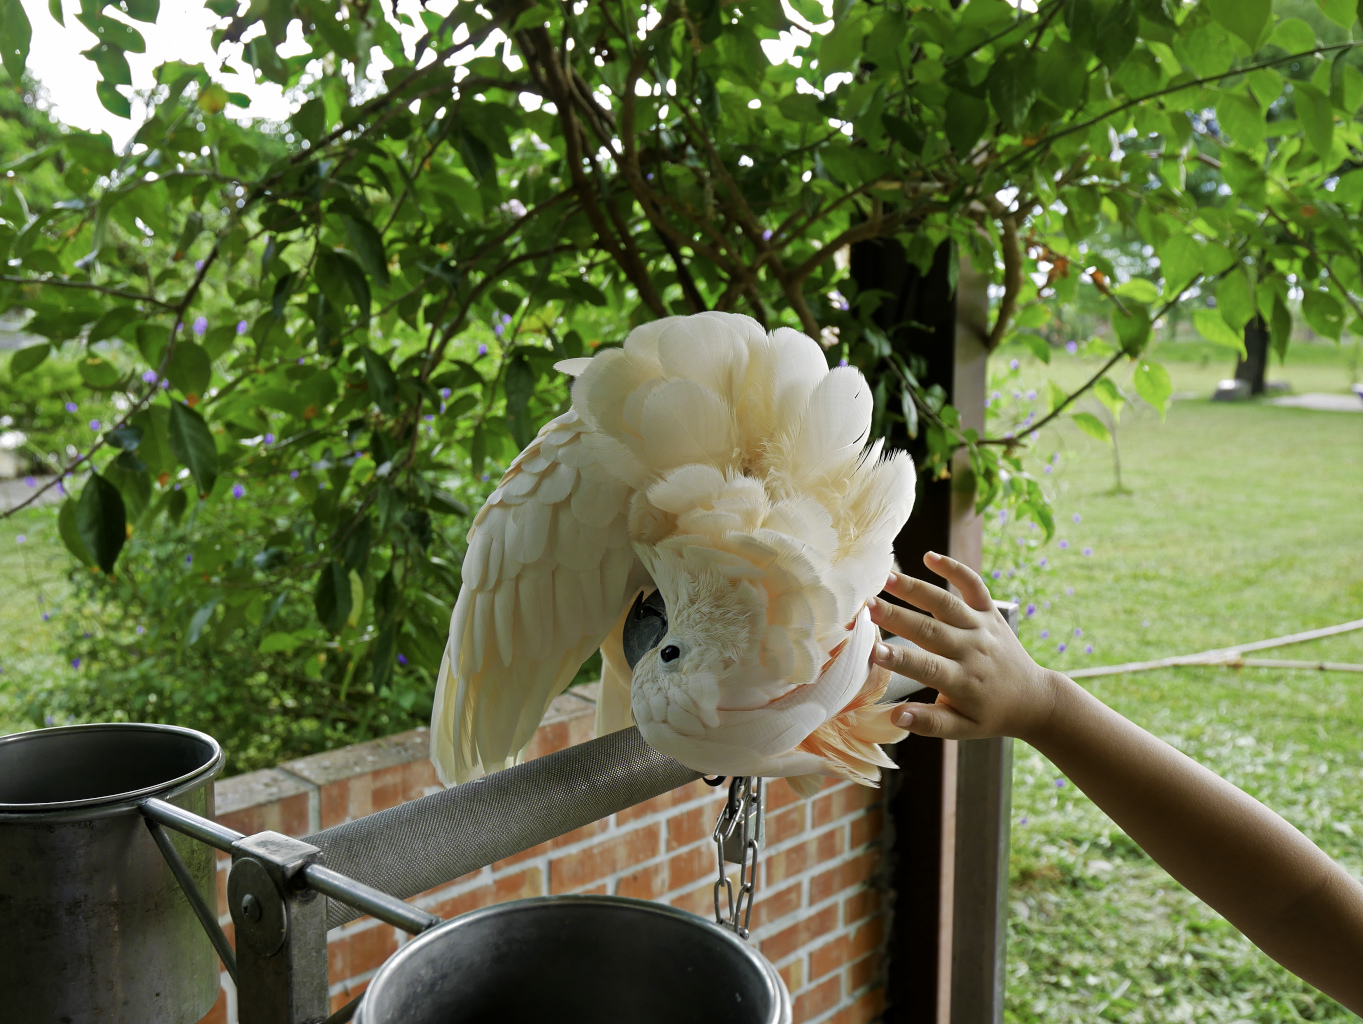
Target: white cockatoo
727,468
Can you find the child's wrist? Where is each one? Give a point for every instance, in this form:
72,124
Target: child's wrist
1052,694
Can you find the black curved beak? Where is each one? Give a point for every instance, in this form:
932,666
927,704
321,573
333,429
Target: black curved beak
645,626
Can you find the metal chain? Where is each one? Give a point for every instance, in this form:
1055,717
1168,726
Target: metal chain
739,834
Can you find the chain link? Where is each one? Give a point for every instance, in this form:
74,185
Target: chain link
738,836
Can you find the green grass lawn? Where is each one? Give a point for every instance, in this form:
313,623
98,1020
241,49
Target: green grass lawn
1243,522
33,567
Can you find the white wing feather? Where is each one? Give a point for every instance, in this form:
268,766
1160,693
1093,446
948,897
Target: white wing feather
548,573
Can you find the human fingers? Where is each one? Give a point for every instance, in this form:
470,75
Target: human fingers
940,720
963,578
923,630
917,664
940,603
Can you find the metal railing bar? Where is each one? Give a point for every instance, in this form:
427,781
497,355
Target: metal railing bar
366,898
190,824
346,1012
206,917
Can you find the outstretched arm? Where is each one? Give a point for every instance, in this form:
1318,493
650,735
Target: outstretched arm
1264,876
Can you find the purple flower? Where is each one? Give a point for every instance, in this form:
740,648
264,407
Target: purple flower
269,439
1088,648
189,559
75,663
1055,457
1003,515
293,474
842,361
1064,544
70,406
402,659
1022,821
94,425
46,616
149,377
995,397
428,416
300,360
201,325
141,629
482,350
20,539
1031,610
1078,631
506,318
238,491
1059,783
1042,563
442,408
1031,395
242,327
198,264
1076,517
485,478
1071,347
1046,605
1045,633
498,330
996,574
1069,591
30,481
1061,647
766,235
87,634
322,486
445,393
1012,364
1047,470
164,385
1088,551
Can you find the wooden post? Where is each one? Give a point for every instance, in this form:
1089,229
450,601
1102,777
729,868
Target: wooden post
946,925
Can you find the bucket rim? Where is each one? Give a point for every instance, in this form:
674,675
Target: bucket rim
113,802
384,976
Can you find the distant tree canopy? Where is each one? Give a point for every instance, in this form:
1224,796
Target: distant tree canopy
346,320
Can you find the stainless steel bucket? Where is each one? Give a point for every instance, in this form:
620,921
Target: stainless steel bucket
93,926
576,960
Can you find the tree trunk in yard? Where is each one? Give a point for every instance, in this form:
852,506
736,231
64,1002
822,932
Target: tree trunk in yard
1254,365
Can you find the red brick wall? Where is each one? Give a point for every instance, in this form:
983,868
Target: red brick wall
819,913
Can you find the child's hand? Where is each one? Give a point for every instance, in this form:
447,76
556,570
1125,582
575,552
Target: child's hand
987,684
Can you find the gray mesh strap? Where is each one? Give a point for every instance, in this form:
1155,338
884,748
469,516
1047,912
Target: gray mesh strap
416,846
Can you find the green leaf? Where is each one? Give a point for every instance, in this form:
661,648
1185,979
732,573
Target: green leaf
1324,313
801,107
276,643
124,438
1280,327
129,475
54,8
1316,116
15,35
1111,396
336,267
310,119
189,368
1294,35
201,616
966,119
1132,331
332,597
98,372
383,383
26,359
368,246
842,46
903,133
1342,12
114,321
1248,19
112,100
520,385
101,521
1234,299
1093,426
1242,117
1213,327
70,532
909,408
1138,289
143,10
1153,385
476,155
1061,74
193,445
1012,86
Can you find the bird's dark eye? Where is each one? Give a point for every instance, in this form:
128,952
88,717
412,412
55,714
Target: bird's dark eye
670,653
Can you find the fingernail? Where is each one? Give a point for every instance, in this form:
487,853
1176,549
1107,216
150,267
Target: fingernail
890,580
882,653
874,605
933,555
902,718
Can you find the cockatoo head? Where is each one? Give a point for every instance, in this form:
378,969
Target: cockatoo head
715,624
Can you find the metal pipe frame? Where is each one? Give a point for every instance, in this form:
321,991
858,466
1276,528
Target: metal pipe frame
206,917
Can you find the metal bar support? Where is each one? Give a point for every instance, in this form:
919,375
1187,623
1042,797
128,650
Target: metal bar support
207,917
218,836
366,898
